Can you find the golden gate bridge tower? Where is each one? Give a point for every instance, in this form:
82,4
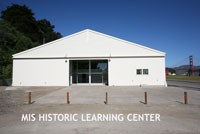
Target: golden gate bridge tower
187,66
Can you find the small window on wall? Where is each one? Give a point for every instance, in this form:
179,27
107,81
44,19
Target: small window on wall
139,71
146,71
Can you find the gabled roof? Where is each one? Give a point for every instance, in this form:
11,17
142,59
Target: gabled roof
88,43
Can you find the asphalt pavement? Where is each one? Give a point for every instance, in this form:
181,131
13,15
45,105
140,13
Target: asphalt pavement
190,85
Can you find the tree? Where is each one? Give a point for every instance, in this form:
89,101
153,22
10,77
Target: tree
11,41
46,30
22,18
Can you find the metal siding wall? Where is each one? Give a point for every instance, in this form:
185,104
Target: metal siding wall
122,71
40,72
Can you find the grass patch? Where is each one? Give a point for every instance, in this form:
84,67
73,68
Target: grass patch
183,77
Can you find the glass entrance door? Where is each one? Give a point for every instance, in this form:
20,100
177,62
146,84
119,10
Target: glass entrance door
99,71
83,71
80,71
89,71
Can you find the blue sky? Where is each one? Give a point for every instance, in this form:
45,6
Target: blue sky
172,26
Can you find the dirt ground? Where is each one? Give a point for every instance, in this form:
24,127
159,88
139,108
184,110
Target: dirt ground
176,117
13,100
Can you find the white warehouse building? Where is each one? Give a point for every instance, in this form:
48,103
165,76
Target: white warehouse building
89,58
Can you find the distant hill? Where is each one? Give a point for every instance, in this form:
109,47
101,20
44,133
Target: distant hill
183,69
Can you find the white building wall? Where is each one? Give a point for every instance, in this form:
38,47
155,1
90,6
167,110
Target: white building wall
40,72
122,71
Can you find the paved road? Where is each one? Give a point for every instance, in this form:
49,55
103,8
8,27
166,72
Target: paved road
184,84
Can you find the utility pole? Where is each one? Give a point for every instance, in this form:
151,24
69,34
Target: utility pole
43,37
191,63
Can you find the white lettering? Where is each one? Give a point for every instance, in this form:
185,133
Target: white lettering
28,117
143,117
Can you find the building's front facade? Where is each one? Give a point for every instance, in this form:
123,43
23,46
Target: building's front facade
89,58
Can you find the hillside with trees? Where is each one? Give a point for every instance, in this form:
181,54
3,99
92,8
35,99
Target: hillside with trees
19,31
